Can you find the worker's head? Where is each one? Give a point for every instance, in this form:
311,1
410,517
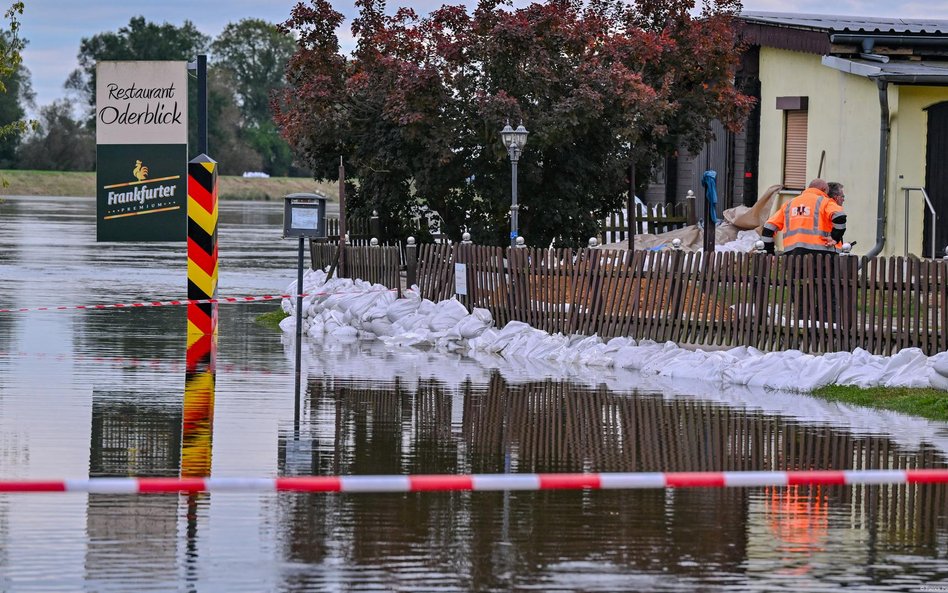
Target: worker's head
820,185
835,192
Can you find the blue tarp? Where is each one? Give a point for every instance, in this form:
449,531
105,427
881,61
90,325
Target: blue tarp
709,182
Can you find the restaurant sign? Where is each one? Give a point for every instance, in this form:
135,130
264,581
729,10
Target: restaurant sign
141,151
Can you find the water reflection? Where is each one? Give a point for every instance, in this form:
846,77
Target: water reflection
493,541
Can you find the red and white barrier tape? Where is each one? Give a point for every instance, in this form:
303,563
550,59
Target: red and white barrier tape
483,482
220,300
244,299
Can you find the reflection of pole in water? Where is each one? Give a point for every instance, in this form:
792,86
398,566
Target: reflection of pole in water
197,428
299,326
198,420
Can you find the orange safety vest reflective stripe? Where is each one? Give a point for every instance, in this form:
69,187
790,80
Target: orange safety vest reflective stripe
807,221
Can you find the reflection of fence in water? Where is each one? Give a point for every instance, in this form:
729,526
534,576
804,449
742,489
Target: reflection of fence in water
557,426
133,439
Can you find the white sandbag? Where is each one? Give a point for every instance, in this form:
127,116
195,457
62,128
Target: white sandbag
420,337
636,357
863,369
906,368
618,343
317,328
380,326
446,314
684,364
822,370
937,380
410,323
288,324
546,348
425,307
467,327
596,356
344,331
507,334
484,342
939,363
521,342
402,307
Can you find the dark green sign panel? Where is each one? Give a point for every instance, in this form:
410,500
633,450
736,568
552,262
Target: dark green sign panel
142,192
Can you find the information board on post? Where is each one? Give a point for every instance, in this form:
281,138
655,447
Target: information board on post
460,279
141,151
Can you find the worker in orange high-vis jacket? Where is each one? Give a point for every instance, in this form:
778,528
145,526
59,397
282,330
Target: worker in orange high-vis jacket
813,222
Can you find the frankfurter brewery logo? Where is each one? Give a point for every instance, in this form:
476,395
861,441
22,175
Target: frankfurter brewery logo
141,196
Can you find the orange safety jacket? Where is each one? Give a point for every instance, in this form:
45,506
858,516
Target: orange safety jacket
807,222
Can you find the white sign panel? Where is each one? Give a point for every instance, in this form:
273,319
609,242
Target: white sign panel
460,279
141,102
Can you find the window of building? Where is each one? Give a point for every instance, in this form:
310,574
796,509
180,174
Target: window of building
794,141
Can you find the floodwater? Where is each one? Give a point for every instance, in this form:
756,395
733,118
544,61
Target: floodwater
103,393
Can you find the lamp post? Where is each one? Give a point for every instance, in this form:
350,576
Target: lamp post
514,141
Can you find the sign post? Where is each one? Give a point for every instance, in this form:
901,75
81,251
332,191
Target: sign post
304,216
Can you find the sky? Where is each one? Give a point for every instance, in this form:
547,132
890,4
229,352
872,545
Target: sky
55,28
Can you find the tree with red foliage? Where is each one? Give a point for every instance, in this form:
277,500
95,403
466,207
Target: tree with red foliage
416,110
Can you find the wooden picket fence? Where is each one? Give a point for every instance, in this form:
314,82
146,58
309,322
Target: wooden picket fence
653,219
813,304
376,264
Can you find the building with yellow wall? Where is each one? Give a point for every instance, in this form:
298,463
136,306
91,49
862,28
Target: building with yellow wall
863,101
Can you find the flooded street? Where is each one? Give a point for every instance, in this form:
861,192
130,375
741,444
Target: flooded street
101,393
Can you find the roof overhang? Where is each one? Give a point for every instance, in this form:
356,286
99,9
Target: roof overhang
924,73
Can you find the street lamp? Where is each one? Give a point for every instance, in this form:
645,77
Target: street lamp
514,141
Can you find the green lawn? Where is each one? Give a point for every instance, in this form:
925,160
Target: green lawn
82,184
927,403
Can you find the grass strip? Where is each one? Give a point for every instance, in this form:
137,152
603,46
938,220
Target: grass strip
271,319
17,182
924,402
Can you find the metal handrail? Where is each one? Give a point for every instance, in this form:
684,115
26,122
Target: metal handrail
931,209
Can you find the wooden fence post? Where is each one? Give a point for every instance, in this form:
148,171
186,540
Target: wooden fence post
690,208
411,262
375,227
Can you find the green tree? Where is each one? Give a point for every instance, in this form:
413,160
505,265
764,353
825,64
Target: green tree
416,111
19,95
15,88
225,129
59,142
256,53
140,40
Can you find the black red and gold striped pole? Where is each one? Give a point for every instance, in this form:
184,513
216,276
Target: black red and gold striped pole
202,244
197,427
